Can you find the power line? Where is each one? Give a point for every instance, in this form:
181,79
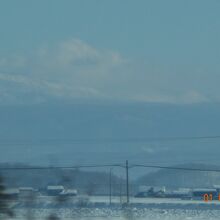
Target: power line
103,140
61,167
109,165
175,168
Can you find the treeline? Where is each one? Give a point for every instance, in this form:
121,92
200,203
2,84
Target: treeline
87,181
183,178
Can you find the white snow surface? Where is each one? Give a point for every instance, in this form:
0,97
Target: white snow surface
140,209
126,214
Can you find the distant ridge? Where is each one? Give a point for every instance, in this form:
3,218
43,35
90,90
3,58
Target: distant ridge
183,178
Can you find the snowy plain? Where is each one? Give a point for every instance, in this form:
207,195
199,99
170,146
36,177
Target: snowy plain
131,214
139,209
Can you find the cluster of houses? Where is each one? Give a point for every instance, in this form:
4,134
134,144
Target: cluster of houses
22,192
143,192
182,193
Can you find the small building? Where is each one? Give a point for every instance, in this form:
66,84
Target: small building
10,193
180,193
26,191
217,187
69,192
150,191
54,190
199,193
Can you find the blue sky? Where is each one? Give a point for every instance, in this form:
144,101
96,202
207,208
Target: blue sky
145,50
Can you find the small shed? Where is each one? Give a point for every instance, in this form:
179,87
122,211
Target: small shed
69,192
54,190
26,191
199,193
10,193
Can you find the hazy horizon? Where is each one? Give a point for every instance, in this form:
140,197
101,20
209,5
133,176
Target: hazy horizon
109,69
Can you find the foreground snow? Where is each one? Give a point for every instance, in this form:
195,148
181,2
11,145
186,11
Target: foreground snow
113,214
98,209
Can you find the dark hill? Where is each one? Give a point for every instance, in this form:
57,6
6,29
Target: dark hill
183,178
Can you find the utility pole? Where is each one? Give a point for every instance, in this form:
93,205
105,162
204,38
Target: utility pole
110,186
127,181
120,190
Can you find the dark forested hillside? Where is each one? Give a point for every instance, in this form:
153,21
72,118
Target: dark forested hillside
183,178
85,181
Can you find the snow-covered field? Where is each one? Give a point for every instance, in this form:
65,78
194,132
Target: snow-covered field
98,209
117,214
